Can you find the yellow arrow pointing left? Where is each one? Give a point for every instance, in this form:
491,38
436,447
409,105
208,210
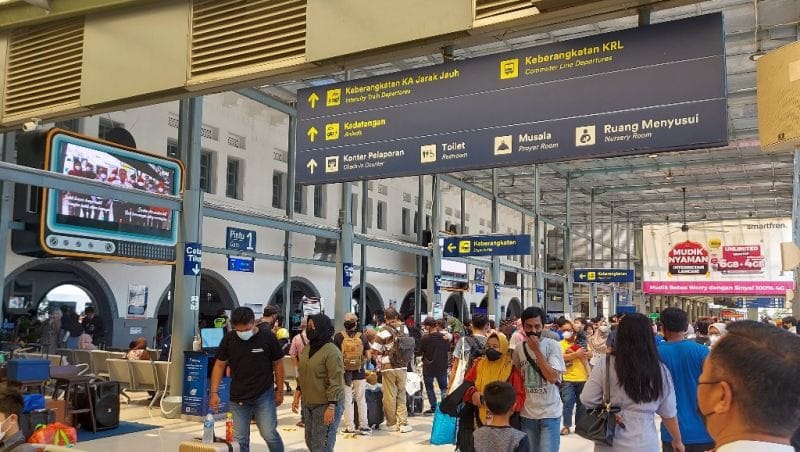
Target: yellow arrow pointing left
312,133
312,99
451,247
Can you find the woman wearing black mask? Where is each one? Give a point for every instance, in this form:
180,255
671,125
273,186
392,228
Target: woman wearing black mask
496,365
320,375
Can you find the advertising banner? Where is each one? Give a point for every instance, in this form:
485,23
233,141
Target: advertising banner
717,258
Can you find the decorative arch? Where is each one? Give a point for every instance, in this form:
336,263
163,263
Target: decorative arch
374,300
514,308
407,306
210,282
58,272
299,284
456,307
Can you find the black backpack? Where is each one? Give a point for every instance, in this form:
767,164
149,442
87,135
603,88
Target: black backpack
476,350
403,348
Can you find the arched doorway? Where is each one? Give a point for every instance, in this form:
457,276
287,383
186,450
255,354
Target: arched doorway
455,306
216,295
407,306
485,302
374,301
514,308
27,288
301,287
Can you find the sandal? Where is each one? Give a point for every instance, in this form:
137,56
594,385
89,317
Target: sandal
565,431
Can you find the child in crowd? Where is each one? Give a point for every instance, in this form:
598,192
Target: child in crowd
498,435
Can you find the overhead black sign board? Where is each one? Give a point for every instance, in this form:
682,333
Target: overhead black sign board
643,90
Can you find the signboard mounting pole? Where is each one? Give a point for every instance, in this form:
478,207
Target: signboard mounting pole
287,236
568,283
420,219
344,250
494,296
184,320
537,240
523,275
6,203
435,267
362,280
592,228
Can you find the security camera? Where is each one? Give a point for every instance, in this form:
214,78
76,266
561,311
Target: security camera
31,125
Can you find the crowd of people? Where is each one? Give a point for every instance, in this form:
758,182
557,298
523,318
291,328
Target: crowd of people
522,386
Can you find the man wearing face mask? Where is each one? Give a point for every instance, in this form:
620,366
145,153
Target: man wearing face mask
748,393
355,352
254,356
684,358
11,439
541,363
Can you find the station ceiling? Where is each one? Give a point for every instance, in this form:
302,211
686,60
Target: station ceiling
738,181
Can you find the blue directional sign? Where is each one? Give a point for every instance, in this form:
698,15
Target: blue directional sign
437,284
604,275
240,239
593,97
347,274
480,288
761,302
192,258
241,264
487,245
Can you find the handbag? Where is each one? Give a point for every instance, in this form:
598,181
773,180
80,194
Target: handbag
600,423
443,430
461,369
451,405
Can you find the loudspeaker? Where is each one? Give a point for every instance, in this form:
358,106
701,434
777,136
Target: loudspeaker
105,399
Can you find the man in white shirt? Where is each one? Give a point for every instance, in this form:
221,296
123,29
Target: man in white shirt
748,392
541,362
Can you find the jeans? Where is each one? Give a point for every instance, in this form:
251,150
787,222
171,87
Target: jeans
543,434
321,437
441,380
571,396
358,387
394,397
264,412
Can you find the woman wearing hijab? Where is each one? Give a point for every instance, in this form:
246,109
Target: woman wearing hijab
321,377
496,365
716,331
598,343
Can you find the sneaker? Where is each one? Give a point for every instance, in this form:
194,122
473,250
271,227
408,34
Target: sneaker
428,413
366,431
404,428
347,431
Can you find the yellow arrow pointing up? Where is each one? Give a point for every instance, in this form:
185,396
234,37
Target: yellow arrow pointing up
312,133
312,99
451,247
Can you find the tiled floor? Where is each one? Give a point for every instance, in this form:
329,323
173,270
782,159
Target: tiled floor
173,431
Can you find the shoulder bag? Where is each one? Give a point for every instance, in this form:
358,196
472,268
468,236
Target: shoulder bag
599,424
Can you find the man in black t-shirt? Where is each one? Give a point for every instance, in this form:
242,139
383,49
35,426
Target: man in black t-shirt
434,349
253,355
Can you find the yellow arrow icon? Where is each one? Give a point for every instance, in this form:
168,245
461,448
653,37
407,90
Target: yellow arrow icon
312,165
312,133
312,99
451,247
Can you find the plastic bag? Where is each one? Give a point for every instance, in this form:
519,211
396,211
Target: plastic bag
413,383
443,430
57,434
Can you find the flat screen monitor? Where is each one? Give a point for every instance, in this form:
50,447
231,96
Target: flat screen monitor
211,337
88,224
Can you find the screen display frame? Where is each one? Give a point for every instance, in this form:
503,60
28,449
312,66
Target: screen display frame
204,334
57,141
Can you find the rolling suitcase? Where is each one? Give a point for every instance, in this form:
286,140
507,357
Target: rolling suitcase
414,403
219,445
374,407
